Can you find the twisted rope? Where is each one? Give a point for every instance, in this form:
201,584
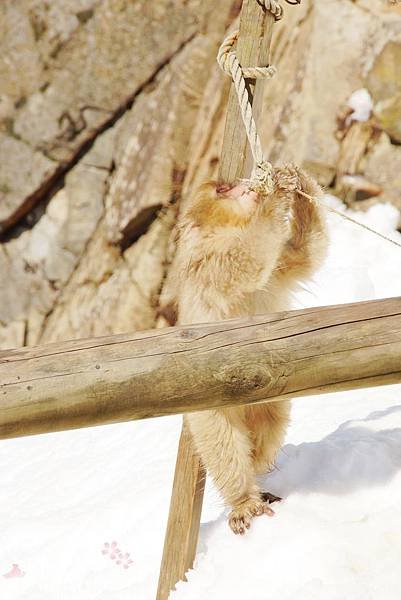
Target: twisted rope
229,63
273,7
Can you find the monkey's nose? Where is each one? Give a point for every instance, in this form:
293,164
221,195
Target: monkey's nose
223,188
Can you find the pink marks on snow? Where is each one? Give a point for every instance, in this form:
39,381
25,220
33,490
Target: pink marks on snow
114,553
14,572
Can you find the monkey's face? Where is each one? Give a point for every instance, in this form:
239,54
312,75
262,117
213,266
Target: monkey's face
240,198
224,205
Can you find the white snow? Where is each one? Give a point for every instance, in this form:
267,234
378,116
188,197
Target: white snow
336,536
362,105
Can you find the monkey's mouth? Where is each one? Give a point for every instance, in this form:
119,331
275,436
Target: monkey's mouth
241,193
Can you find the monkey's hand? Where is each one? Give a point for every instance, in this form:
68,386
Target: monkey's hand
241,516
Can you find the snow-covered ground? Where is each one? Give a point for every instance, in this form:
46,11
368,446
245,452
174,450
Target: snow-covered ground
66,497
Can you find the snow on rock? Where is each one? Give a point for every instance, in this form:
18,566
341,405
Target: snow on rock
68,497
362,105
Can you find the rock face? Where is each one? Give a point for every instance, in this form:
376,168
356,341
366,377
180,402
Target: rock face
97,105
384,82
112,112
327,51
71,71
38,262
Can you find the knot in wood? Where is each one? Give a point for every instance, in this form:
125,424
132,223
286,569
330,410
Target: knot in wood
188,334
243,380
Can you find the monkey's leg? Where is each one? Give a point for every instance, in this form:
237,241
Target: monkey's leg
268,424
224,444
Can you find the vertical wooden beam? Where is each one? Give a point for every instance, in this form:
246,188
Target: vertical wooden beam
184,517
253,49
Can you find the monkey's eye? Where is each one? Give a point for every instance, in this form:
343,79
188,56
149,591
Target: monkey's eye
223,188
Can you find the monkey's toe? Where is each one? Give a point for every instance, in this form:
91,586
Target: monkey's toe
267,510
241,516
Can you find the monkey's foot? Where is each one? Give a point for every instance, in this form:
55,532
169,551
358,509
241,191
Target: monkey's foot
270,498
241,516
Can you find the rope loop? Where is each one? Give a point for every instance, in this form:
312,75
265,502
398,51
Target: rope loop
273,7
223,58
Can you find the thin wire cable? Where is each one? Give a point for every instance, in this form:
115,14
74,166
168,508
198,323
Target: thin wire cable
344,216
348,218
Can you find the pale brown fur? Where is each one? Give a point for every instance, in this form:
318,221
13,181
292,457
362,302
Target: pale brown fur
242,254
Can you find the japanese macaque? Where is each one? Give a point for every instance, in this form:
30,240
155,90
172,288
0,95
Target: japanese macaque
243,252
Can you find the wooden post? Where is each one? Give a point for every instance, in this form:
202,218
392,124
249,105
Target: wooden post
253,49
184,516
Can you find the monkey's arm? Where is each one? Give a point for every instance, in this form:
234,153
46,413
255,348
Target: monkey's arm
306,248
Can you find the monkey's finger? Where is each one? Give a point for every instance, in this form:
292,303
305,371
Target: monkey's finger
268,511
239,527
235,525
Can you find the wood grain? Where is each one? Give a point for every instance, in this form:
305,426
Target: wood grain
161,372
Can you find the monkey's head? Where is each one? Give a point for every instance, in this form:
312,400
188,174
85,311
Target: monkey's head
217,205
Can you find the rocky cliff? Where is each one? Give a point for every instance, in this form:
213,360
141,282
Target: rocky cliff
111,111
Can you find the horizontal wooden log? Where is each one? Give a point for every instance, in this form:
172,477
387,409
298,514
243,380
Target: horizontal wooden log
161,372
